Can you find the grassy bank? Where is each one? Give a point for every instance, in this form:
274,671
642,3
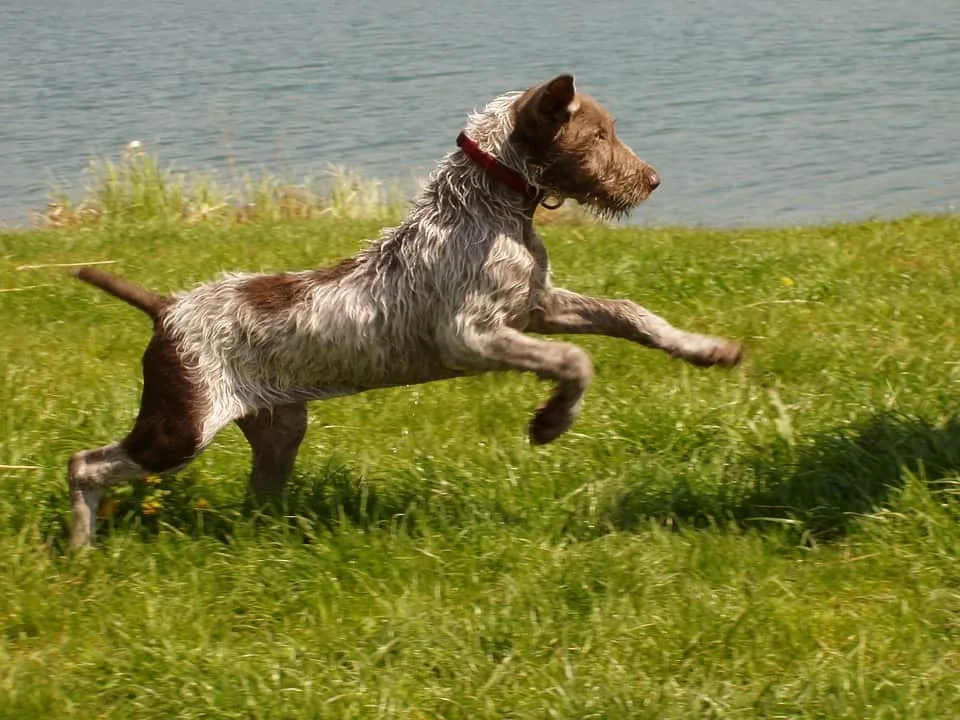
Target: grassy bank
777,541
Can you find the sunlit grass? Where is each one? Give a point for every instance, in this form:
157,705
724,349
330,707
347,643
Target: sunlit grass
781,540
138,187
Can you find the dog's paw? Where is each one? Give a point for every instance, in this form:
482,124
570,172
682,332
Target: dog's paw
728,354
550,422
723,353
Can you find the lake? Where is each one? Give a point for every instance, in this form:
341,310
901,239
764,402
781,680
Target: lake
754,113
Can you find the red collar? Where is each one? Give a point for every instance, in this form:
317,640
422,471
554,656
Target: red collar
497,170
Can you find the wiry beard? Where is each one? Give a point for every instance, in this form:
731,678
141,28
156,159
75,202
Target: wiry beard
598,200
609,207
610,210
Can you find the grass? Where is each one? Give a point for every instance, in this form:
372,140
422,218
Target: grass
137,187
780,541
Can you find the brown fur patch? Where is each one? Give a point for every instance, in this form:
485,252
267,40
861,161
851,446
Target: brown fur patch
335,272
275,293
167,432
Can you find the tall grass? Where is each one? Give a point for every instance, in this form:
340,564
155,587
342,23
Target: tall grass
139,187
779,541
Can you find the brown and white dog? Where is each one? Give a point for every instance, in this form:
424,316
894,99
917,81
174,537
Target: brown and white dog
452,291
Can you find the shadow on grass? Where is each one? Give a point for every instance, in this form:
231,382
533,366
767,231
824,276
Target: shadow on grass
325,500
819,487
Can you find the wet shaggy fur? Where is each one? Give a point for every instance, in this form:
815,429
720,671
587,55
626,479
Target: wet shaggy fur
452,291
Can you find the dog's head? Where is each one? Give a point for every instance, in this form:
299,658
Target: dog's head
573,151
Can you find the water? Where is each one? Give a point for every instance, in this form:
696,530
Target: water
757,112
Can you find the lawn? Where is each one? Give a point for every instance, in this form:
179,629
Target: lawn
777,541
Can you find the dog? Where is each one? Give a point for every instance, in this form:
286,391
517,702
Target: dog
452,291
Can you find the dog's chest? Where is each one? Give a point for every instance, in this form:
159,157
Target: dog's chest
518,271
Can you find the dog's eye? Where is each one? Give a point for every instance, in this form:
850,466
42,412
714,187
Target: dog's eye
601,134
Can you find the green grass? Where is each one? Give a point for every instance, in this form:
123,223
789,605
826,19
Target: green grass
138,187
778,541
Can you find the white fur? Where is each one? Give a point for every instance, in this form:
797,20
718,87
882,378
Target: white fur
462,257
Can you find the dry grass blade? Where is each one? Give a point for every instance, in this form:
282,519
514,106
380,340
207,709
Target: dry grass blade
25,287
63,265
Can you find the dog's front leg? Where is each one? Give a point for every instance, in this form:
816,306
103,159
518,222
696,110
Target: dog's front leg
567,365
564,311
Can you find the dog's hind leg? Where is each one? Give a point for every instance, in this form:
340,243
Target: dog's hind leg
274,435
174,424
90,474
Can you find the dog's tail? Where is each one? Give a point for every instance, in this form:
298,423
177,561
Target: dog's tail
149,302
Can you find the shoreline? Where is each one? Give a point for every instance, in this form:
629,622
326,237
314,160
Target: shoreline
138,186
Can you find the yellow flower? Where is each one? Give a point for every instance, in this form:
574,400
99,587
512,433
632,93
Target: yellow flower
150,506
153,479
787,281
107,508
200,504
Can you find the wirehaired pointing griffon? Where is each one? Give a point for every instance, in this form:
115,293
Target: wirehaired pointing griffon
454,290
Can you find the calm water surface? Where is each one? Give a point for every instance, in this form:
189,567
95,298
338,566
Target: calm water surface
754,112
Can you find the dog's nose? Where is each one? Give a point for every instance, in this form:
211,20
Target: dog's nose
654,180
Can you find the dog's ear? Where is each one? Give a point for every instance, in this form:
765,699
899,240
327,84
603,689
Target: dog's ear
557,99
542,110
